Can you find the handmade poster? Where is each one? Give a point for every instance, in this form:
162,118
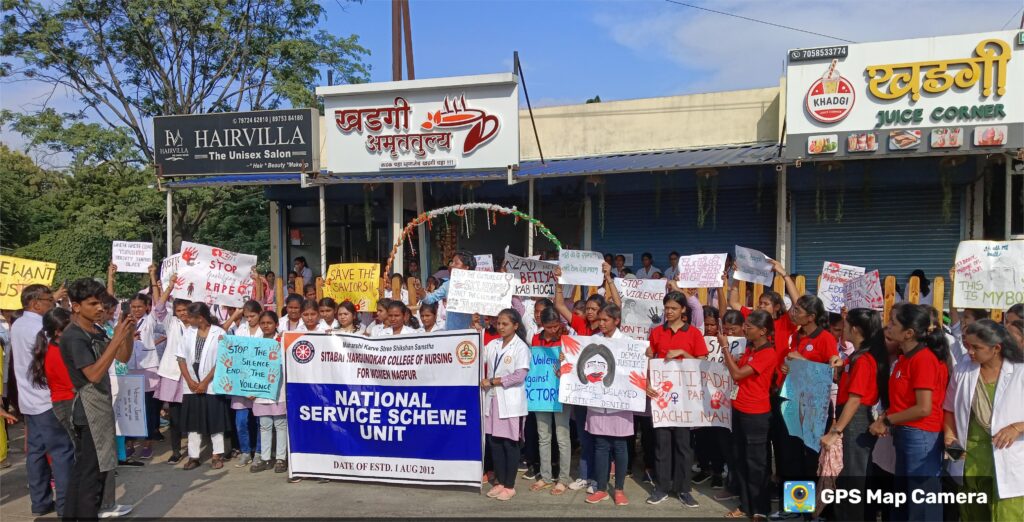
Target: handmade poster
989,274
385,409
484,263
581,267
213,275
358,283
17,273
642,305
484,293
691,393
805,409
132,256
753,266
130,406
701,270
864,292
541,382
736,345
604,373
248,367
530,278
832,290
168,267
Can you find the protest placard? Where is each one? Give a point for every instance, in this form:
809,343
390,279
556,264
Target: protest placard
691,393
864,292
581,267
385,409
168,267
130,406
248,367
642,305
17,273
213,275
541,382
805,409
530,278
132,256
989,274
736,346
753,266
701,270
604,373
832,290
484,263
358,283
484,293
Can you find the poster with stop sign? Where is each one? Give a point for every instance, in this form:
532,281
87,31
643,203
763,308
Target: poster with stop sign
213,275
691,393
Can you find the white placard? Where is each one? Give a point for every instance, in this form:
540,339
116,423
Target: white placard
484,263
484,293
989,274
832,291
168,267
643,306
604,373
691,393
753,266
530,278
736,345
130,406
701,270
213,275
132,256
864,292
581,267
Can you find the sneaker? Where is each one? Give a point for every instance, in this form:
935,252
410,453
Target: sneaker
596,497
620,498
523,465
687,500
578,484
782,515
725,495
495,491
717,482
281,466
657,497
531,475
118,510
146,453
506,494
134,463
244,461
648,478
174,459
701,477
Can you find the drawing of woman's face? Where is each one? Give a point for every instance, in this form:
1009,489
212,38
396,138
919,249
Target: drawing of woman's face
595,369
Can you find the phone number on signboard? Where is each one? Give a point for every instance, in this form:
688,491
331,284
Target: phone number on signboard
799,55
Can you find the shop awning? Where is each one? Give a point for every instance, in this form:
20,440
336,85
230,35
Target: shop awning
235,180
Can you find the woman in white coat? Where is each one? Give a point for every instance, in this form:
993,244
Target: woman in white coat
985,417
506,363
202,411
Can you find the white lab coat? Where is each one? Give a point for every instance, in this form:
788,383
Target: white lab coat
1007,409
169,360
502,361
208,358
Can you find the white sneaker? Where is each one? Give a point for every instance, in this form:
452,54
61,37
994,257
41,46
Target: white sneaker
578,484
244,460
119,510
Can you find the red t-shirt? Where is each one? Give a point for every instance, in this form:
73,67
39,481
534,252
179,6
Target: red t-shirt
752,395
859,379
784,329
820,346
538,340
687,338
580,325
488,336
57,376
919,370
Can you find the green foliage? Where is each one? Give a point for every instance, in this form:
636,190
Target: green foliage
23,186
241,223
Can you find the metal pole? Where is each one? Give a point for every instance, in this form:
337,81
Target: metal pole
782,226
529,228
323,233
423,231
170,224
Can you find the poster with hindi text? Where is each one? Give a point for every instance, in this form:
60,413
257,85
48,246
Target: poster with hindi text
132,256
753,266
581,267
484,293
701,271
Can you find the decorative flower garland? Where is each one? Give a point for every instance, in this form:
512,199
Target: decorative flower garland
461,210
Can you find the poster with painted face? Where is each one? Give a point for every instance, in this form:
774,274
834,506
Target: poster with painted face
604,373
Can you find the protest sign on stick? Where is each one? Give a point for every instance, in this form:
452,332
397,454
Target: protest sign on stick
701,270
17,273
736,346
581,267
604,373
213,275
530,278
130,406
832,289
484,293
753,266
642,305
132,256
248,367
864,292
691,393
358,283
484,263
541,382
168,267
807,393
989,274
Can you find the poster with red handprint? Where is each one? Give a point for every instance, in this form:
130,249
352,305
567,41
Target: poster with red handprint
604,373
690,393
248,367
213,275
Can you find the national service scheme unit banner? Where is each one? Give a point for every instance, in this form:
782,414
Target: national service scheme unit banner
402,409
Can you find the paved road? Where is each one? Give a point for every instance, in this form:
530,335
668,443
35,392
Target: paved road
159,489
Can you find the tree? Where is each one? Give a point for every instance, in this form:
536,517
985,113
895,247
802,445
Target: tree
22,185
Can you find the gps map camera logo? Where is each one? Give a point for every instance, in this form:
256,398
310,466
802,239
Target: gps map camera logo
798,496
303,351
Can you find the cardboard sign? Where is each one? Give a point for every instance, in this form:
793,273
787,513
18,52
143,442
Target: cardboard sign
581,267
989,274
864,292
736,346
213,275
484,293
701,270
541,382
691,393
805,409
385,409
832,290
168,267
17,273
130,406
530,278
358,283
753,266
132,256
248,367
642,305
604,373
484,263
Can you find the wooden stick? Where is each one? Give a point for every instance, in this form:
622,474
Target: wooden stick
702,296
997,315
889,291
279,294
413,284
299,284
939,294
758,290
779,285
396,290
801,285
319,288
914,290
741,287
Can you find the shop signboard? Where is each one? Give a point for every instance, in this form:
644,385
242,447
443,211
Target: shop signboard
455,123
948,94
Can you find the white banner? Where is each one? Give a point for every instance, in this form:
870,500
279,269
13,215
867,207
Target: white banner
864,292
484,263
989,274
168,267
642,305
691,393
581,267
701,270
736,345
530,278
604,373
832,291
130,406
132,256
484,293
213,275
753,266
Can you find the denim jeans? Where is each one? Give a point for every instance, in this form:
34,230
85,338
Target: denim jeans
46,436
603,447
918,463
586,444
245,426
559,421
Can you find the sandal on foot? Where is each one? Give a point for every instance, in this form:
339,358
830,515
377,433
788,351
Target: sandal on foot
539,485
191,464
217,462
559,489
736,513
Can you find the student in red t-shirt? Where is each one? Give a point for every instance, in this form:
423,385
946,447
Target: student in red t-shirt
751,415
863,379
917,389
586,325
48,369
